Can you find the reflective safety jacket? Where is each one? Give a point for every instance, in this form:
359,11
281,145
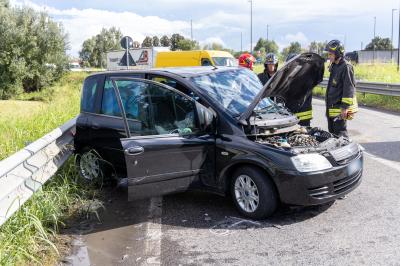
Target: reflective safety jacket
341,90
303,112
264,77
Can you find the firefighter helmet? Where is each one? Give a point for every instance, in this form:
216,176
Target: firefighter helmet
335,47
246,60
271,59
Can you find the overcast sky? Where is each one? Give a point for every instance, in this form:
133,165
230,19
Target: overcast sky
222,21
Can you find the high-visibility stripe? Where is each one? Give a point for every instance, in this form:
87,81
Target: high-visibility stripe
332,112
348,101
304,113
306,117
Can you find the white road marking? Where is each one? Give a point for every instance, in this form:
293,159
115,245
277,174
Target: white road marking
153,233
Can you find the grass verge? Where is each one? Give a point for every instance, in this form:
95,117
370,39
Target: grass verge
30,236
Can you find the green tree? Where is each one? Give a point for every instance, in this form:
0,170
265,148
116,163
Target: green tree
175,38
94,50
313,47
269,46
147,42
165,41
321,47
4,3
86,54
294,47
260,43
213,46
379,44
187,44
32,50
156,41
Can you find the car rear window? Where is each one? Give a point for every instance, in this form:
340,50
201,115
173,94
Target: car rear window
90,87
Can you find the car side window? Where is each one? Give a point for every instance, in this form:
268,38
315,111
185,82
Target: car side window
172,112
206,62
174,84
109,103
156,110
89,90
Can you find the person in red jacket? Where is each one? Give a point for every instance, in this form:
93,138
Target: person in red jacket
246,60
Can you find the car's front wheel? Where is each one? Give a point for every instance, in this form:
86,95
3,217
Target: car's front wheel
91,167
253,193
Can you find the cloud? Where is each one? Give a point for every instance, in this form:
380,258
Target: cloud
211,40
82,24
289,20
298,37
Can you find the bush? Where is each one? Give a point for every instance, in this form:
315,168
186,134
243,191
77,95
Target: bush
32,51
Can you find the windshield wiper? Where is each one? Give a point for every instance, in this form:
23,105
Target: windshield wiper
266,109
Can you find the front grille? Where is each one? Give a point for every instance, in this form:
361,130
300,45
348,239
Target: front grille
336,187
346,153
346,183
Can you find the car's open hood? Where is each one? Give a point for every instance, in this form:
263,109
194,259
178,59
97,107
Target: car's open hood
295,80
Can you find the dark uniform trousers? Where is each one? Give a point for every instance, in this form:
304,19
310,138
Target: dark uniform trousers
338,126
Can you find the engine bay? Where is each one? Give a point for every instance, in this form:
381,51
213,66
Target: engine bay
297,138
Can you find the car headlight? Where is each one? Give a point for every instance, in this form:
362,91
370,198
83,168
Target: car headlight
310,162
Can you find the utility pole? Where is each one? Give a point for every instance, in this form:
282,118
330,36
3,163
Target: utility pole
391,38
267,31
361,46
373,43
191,30
251,26
398,44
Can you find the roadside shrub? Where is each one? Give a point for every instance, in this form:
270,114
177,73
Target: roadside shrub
32,51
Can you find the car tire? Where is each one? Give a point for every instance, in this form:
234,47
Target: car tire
253,193
92,167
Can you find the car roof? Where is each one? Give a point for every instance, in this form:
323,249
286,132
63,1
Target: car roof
185,72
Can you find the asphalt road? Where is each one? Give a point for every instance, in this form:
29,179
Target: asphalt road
203,229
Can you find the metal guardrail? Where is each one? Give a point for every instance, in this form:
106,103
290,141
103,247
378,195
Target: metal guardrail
24,172
390,89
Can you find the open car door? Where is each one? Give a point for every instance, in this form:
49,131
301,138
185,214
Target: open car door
167,146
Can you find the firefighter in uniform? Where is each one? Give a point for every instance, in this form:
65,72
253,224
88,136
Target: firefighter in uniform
270,68
341,102
304,111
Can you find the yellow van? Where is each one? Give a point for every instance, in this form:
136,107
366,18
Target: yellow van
194,58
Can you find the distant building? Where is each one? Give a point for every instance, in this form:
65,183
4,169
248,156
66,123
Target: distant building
368,56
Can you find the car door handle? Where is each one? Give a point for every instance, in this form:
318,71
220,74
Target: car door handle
135,150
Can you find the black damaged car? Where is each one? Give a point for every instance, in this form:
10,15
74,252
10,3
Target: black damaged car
216,129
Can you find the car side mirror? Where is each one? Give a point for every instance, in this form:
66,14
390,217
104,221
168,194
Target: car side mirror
206,117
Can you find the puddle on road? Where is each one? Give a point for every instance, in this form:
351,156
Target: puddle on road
79,256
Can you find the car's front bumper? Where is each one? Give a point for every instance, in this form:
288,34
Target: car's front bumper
316,188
